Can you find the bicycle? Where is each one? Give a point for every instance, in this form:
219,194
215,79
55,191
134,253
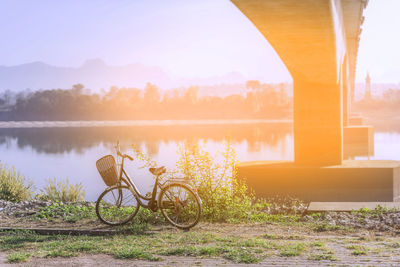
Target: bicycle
120,202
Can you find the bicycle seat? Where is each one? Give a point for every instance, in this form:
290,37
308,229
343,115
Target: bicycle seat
158,171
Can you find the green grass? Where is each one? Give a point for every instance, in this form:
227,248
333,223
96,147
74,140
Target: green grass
317,244
358,250
321,257
272,218
68,212
60,253
324,227
392,245
379,210
181,251
271,236
19,239
145,247
135,228
252,243
82,246
211,251
134,253
353,247
237,255
317,215
157,245
194,251
241,256
291,250
18,257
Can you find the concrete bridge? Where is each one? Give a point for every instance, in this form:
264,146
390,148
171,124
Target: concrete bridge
318,41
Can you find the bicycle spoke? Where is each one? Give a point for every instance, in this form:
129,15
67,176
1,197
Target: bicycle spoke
184,210
117,205
115,200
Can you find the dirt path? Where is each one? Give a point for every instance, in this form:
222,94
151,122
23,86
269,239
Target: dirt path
106,260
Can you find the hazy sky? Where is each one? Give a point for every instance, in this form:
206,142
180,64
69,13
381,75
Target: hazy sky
188,38
379,50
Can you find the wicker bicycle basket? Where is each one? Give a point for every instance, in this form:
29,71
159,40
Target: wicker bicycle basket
108,170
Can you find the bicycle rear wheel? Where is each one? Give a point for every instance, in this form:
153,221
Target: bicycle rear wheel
117,205
180,205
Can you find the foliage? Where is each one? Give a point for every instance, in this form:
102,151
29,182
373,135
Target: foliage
13,186
322,257
293,249
145,247
241,256
137,228
63,191
18,257
377,211
357,250
213,241
225,197
237,255
324,227
75,212
134,253
134,103
143,159
68,212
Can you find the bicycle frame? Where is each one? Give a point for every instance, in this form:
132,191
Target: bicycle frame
128,181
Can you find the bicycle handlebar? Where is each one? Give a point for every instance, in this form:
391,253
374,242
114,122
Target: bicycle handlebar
117,147
127,156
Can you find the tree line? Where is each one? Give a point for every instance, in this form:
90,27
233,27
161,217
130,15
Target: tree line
260,101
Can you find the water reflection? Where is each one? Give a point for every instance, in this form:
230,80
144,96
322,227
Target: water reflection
43,153
61,140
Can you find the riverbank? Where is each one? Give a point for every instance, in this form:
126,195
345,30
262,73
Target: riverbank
81,215
53,124
381,122
359,237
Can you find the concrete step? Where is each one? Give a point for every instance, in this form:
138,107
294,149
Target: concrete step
59,231
349,206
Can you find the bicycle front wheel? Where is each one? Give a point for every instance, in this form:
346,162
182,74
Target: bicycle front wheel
180,205
117,205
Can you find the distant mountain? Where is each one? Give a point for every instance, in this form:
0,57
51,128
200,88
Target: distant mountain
95,74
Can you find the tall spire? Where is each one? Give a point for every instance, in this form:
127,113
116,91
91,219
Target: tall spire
367,87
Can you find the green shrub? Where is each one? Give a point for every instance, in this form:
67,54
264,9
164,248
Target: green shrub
13,186
63,191
224,197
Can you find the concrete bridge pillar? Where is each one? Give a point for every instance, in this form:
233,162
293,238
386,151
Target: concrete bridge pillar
317,40
317,123
308,36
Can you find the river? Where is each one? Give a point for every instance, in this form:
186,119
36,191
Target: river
41,153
